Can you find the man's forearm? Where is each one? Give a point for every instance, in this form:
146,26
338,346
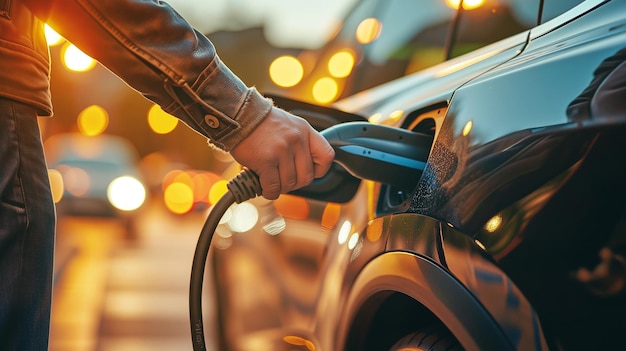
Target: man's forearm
158,53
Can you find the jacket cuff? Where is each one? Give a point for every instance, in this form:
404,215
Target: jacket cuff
253,111
218,105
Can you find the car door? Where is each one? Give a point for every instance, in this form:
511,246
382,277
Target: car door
533,172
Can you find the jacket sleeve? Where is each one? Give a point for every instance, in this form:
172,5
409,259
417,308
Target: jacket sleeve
158,53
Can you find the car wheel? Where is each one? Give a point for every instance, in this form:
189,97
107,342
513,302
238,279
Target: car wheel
435,339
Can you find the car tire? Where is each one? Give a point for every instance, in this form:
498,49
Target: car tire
432,339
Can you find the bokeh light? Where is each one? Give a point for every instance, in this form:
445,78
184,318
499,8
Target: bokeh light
291,206
368,30
218,190
330,216
178,198
344,232
93,120
467,128
76,60
195,187
126,193
244,217
76,180
56,184
340,64
374,231
286,71
395,116
493,224
467,4
160,121
325,90
52,37
354,239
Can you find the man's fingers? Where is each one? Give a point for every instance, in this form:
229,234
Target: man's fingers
270,183
322,154
286,153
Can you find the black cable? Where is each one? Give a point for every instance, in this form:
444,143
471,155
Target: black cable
243,187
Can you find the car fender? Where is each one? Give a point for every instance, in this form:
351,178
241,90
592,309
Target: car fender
444,271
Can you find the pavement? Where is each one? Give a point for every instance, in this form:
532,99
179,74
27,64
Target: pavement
114,295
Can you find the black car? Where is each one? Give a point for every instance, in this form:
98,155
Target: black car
511,236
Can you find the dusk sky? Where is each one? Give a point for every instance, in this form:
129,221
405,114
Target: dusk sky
299,23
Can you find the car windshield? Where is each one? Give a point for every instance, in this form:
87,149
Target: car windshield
414,35
394,38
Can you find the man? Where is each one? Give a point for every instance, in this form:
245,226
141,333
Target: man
154,50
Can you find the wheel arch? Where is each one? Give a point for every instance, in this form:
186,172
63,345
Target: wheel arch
398,292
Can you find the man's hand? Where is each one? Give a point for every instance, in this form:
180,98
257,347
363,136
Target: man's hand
285,152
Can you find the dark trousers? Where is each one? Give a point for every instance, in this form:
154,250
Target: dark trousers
27,225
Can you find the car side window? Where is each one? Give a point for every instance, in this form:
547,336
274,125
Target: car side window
406,36
492,20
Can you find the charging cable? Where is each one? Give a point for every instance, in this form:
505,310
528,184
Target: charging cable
367,151
243,187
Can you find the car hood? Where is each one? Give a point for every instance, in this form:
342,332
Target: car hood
431,86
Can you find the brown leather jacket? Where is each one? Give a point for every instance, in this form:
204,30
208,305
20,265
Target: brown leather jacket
146,43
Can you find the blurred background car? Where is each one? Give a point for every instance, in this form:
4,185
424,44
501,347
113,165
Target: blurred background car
513,236
95,176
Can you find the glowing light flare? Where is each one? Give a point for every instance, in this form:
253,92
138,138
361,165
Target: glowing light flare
76,60
244,217
467,4
493,223
293,207
325,90
375,118
330,216
286,71
52,37
396,115
467,128
354,239
481,245
368,30
93,120
178,198
344,232
340,64
126,193
218,190
56,184
160,121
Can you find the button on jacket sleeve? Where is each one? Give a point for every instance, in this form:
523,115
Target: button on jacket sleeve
158,53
